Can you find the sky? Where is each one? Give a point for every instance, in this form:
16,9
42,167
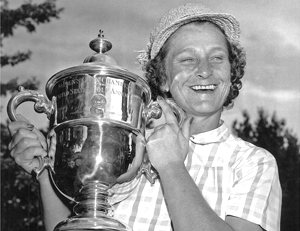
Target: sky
270,36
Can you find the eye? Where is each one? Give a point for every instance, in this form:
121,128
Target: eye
188,60
217,58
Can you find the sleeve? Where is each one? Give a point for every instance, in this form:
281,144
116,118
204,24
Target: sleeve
256,192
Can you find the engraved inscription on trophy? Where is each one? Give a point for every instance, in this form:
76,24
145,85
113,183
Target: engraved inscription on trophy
70,103
98,100
98,105
110,98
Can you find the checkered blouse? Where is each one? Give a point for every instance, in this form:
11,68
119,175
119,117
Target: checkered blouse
235,177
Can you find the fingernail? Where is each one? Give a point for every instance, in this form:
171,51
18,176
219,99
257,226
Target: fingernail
160,97
30,126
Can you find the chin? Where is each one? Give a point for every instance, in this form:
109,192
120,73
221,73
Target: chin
205,110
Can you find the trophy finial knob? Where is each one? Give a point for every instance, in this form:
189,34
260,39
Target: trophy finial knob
100,45
101,35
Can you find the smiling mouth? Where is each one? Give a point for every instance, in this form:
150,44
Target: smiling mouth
209,87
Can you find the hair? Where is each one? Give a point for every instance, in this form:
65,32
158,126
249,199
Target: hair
156,71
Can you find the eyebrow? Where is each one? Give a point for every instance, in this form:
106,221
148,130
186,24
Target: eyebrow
220,49
193,50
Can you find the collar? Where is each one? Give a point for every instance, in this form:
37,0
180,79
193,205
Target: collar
217,135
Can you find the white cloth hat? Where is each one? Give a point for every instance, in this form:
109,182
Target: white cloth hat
184,14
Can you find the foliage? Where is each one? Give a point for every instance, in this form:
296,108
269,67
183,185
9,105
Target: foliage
272,135
13,84
28,15
15,58
20,207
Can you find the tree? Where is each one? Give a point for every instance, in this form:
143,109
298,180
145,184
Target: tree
28,15
20,209
12,85
272,135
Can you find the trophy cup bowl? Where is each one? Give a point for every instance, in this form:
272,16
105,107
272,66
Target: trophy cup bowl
97,112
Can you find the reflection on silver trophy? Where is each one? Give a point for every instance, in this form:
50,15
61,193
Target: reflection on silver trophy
97,113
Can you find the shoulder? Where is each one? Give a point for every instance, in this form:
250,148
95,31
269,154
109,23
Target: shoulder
250,154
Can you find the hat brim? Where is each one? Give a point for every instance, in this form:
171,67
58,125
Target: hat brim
226,22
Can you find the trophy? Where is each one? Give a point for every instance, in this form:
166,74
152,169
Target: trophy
97,113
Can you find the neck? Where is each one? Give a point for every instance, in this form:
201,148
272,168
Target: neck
204,124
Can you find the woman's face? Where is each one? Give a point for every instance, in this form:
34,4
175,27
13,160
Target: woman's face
198,69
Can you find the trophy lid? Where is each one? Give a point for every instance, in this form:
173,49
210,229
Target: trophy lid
98,63
100,45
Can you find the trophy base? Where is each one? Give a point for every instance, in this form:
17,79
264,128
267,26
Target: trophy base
84,223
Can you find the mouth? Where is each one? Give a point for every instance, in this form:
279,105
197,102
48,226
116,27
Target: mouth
209,87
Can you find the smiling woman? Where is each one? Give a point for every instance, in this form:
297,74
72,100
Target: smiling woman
196,59
208,178
190,62
232,52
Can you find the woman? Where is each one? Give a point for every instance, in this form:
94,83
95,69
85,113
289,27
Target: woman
209,179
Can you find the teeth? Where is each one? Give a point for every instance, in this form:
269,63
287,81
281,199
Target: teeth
204,87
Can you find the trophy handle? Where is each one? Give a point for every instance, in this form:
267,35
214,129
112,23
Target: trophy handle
154,111
42,105
45,163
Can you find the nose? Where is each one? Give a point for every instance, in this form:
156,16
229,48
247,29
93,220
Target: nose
204,69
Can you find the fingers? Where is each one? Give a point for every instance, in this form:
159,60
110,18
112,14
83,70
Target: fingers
167,111
27,133
23,145
13,127
171,119
27,155
21,134
17,130
158,127
27,159
41,138
22,122
186,127
22,118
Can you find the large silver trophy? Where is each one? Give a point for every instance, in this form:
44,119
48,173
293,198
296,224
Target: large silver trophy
97,112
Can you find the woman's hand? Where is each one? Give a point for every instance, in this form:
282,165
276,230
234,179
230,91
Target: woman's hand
169,143
26,145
